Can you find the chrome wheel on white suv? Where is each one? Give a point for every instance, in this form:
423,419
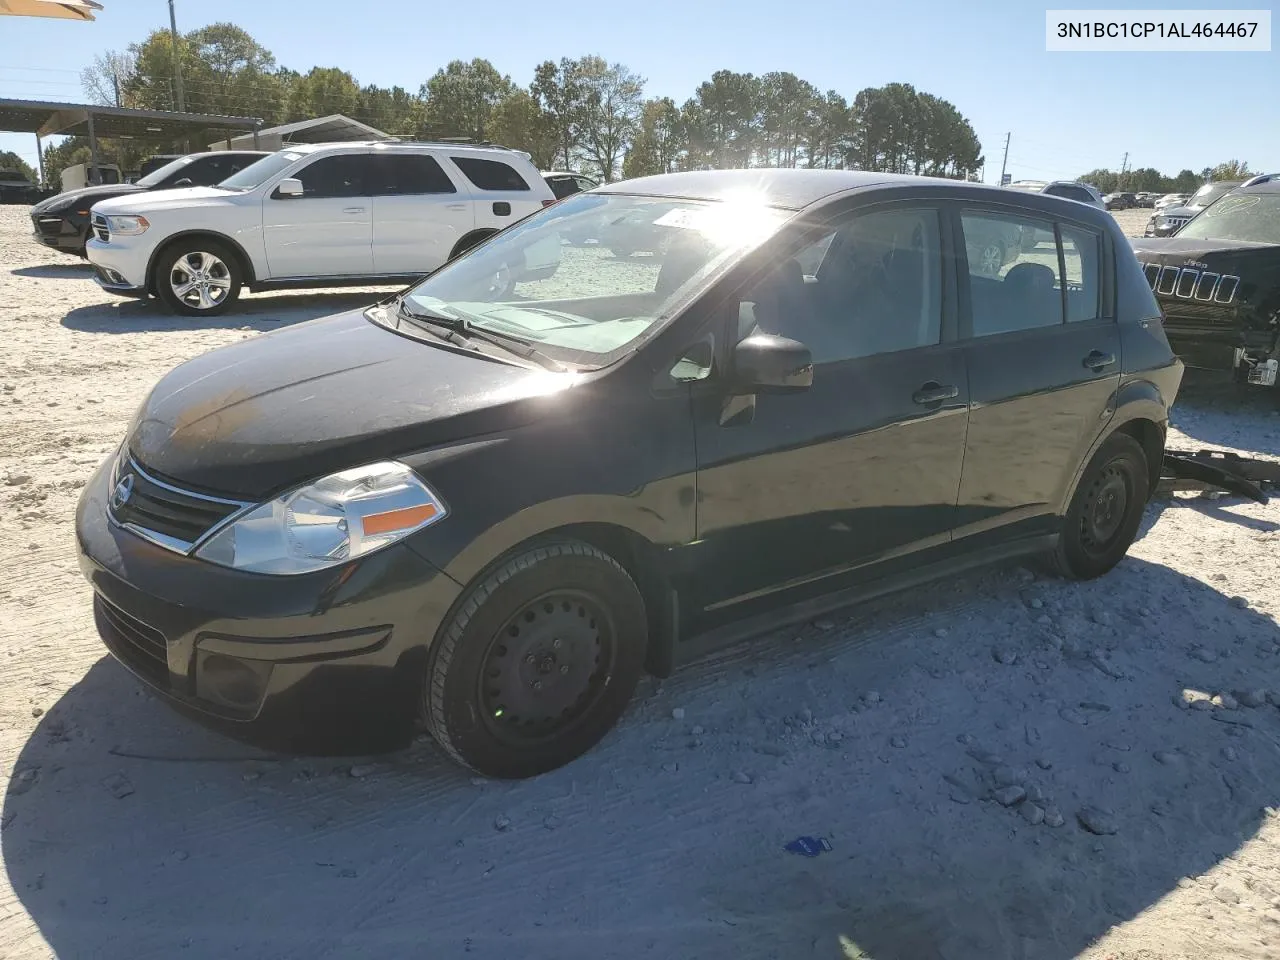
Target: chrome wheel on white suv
197,278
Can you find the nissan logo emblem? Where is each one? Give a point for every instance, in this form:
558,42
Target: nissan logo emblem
123,491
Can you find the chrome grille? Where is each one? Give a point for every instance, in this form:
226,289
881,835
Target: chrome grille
1188,283
165,514
100,228
1177,223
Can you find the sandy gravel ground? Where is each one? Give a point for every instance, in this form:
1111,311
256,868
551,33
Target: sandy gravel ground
1004,766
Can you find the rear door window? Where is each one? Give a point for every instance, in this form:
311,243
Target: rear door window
1014,281
490,174
410,175
1081,262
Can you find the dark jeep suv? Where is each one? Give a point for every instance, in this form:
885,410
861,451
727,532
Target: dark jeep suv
489,507
62,221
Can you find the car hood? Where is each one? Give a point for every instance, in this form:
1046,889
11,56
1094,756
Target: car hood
1178,211
1179,251
87,196
256,417
154,201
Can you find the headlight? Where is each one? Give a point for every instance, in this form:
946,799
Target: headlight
128,226
341,517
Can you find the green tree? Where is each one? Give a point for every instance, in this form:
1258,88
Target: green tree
897,129
518,121
827,131
787,108
555,88
224,71
608,111
11,161
1230,170
395,110
321,92
659,141
722,121
461,97
105,80
1185,182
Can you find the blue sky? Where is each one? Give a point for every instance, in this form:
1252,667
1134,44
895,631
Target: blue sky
1068,112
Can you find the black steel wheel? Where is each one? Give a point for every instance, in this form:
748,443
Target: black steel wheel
538,660
1106,511
547,667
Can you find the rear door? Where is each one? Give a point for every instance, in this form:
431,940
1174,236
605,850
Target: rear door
1043,354
419,214
328,231
796,492
502,194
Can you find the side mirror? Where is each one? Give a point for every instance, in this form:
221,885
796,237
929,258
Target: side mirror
184,182
289,187
764,363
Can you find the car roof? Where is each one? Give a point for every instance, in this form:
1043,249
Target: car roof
405,146
1264,186
791,189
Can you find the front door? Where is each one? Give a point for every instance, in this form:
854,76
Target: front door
328,231
418,214
797,491
1044,364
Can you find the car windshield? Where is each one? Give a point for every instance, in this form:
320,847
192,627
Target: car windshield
1248,217
584,280
1209,193
259,172
160,174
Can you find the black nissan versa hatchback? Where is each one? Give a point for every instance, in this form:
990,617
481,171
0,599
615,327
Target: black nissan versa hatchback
487,506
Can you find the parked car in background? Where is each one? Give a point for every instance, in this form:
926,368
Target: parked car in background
62,221
1171,200
1067,189
318,215
80,175
494,512
1115,201
15,188
564,184
1145,199
1168,220
1218,283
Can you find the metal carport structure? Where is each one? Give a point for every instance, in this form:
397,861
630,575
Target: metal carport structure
45,118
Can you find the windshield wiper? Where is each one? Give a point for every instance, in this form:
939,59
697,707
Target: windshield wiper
461,331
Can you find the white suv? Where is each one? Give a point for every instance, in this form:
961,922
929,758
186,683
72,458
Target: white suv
317,215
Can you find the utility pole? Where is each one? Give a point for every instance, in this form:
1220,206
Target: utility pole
1005,162
1124,169
177,59
115,83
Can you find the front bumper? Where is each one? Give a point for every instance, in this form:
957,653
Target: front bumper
56,231
329,661
119,266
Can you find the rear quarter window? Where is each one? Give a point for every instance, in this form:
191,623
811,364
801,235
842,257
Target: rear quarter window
490,174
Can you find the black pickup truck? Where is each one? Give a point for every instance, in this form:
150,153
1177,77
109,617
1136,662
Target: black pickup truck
1218,283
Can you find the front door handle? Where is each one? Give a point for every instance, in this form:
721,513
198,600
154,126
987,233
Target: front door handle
353,209
1097,360
933,392
455,206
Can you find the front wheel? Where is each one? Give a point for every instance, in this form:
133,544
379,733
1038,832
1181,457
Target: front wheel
1106,511
538,662
198,278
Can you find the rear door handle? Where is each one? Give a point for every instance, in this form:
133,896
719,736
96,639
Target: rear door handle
353,209
455,206
935,393
1097,360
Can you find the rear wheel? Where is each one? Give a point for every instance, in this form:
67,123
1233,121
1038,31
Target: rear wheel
539,661
1106,511
198,277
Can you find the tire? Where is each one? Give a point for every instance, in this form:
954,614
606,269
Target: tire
208,271
539,661
467,242
1106,511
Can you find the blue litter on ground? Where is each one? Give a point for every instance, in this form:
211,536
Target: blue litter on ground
808,846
